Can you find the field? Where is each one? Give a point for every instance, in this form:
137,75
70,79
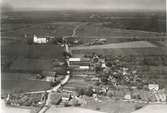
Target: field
7,109
31,65
124,52
17,76
21,49
128,27
70,110
23,85
91,31
153,108
134,44
110,105
77,82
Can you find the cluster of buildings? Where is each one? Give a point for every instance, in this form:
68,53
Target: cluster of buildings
81,67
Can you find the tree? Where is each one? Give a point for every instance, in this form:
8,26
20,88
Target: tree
66,104
75,102
80,91
109,93
88,91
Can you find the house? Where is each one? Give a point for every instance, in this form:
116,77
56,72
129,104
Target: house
153,87
40,40
84,67
49,75
50,78
74,59
161,96
66,96
127,96
79,59
103,65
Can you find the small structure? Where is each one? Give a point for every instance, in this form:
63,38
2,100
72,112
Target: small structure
127,96
84,67
161,96
51,76
66,97
153,87
74,59
40,40
79,59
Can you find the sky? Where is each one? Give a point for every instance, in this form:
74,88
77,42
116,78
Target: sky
86,4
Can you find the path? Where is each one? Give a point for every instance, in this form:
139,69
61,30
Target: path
74,32
54,89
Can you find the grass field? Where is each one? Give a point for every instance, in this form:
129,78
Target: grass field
18,30
31,65
133,44
23,85
21,49
124,51
53,109
17,76
91,31
153,108
110,105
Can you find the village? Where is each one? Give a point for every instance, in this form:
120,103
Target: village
79,78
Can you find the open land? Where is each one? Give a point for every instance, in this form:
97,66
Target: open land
139,36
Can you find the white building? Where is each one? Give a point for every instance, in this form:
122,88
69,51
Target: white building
74,59
154,87
127,96
39,40
83,67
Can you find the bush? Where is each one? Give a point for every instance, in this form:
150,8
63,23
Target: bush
97,83
80,91
88,91
98,108
75,102
109,94
66,104
138,107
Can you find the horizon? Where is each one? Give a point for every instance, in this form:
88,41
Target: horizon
84,5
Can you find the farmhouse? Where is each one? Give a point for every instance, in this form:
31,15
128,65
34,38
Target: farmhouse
39,40
50,77
153,87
